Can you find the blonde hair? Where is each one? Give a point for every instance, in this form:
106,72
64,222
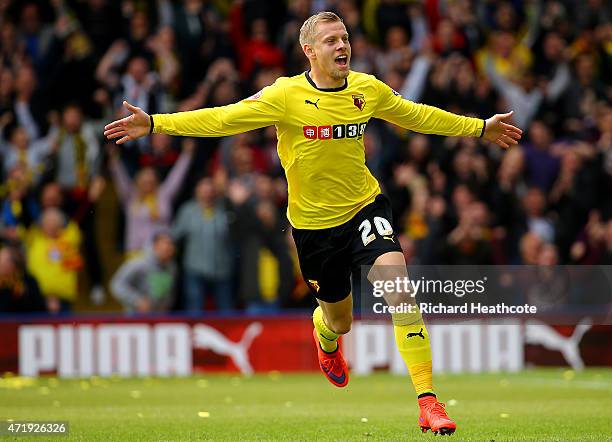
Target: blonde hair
307,31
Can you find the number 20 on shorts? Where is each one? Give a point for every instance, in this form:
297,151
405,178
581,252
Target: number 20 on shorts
382,225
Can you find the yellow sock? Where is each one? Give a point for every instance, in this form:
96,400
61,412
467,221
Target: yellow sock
327,338
414,347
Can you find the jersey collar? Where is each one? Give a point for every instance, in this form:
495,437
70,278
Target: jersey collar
327,89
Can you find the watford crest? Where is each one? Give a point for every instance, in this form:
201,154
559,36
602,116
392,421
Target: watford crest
359,101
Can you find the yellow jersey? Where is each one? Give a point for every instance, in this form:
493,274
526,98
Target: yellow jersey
320,138
55,263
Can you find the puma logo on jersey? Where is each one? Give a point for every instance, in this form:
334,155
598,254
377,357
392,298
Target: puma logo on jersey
315,103
390,238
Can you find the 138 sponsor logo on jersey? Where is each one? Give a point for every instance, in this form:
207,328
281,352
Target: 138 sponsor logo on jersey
335,132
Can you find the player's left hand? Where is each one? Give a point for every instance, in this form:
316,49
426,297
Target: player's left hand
500,132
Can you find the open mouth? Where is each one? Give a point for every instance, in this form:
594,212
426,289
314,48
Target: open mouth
342,60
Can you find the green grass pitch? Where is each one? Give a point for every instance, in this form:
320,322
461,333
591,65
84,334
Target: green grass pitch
536,405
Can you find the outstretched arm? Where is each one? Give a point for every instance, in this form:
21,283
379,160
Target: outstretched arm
431,120
265,108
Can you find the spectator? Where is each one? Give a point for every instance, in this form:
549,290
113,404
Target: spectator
99,20
200,40
12,48
549,285
146,284
139,85
35,33
163,46
530,247
75,150
19,206
254,48
582,95
534,207
70,66
571,196
506,194
590,245
542,166
447,39
33,156
504,56
265,264
53,258
204,223
28,106
146,202
396,46
19,292
470,242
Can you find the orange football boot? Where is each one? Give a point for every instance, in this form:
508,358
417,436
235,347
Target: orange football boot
332,364
433,417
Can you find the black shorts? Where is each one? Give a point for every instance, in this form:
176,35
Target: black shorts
329,256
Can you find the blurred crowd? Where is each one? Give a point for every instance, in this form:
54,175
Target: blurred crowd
199,224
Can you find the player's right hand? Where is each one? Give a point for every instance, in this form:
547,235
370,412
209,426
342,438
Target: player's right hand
132,127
